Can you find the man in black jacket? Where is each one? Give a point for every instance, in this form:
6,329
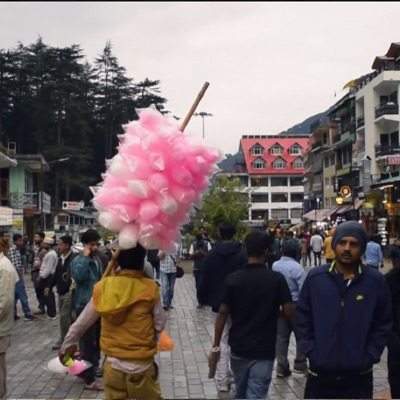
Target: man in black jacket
62,279
225,257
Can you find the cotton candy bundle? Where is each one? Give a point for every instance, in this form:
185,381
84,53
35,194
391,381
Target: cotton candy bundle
152,183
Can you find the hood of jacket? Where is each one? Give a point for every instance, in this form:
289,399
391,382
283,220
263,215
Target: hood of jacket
227,249
114,296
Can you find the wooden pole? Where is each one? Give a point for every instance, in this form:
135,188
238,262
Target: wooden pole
194,106
182,128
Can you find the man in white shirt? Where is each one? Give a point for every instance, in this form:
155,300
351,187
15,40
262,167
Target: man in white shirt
316,246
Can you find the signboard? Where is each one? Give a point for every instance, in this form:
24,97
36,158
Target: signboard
46,203
73,205
18,217
393,160
345,191
6,216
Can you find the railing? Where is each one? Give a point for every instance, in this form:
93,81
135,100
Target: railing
336,139
348,127
360,121
386,108
386,150
23,200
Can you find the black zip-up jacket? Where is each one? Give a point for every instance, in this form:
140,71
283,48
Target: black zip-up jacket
223,259
62,276
393,280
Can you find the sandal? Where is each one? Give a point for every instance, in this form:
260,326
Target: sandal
95,386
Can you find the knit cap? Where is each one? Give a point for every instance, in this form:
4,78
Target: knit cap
350,228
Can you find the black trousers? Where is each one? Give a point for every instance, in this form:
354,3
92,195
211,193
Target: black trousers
393,363
89,349
39,290
335,386
197,278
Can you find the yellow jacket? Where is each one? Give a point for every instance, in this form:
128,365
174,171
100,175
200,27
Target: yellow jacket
125,303
328,252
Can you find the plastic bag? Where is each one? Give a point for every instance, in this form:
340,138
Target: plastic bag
165,343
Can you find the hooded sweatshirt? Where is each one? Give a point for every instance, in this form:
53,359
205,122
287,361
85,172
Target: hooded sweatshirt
125,303
223,259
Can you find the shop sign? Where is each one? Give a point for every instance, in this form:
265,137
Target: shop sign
18,217
393,160
6,216
345,191
73,205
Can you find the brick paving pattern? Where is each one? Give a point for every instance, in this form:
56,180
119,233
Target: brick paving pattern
183,372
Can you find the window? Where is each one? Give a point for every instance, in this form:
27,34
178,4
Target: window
256,150
332,160
62,219
296,212
275,181
296,197
255,182
279,164
279,213
276,150
295,150
327,183
326,162
295,181
259,198
259,163
279,197
333,181
298,164
259,215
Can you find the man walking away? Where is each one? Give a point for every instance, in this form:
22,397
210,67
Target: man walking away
252,297
62,280
8,280
132,320
198,250
225,257
329,254
373,253
20,291
316,246
393,346
344,318
294,274
152,258
304,249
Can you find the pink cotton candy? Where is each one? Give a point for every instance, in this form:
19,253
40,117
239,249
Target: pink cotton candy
128,237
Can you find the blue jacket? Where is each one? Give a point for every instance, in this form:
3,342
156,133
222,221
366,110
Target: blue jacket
343,329
86,272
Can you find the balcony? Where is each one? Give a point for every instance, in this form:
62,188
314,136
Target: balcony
386,109
24,200
360,121
386,150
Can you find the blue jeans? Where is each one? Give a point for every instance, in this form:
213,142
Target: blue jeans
252,377
20,294
167,284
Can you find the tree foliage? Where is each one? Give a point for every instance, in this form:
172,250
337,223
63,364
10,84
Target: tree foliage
226,201
54,102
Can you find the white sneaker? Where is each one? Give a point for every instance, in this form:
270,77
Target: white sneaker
224,388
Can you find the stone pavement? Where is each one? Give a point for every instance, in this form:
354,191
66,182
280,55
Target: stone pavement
183,372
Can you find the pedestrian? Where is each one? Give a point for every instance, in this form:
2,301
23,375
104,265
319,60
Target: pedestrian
373,253
168,263
87,268
294,274
304,247
307,236
225,257
395,253
274,250
316,244
252,297
198,250
132,320
329,254
291,240
393,345
4,242
152,258
24,253
20,292
204,233
8,280
344,318
48,268
38,254
62,280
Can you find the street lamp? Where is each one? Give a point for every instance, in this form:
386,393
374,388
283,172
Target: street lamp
202,114
316,208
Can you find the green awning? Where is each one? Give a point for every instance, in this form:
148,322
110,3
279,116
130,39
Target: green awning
348,140
386,181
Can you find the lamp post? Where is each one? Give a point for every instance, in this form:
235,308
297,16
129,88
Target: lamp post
47,163
317,200
202,114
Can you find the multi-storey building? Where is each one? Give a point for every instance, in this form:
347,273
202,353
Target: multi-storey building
272,171
378,147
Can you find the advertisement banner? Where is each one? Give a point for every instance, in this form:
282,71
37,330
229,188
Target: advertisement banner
6,216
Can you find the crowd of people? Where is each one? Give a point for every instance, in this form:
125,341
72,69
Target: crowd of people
343,313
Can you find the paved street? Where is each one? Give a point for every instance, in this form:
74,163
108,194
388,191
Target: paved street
183,372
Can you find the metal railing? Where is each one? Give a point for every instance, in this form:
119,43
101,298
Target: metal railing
23,200
386,108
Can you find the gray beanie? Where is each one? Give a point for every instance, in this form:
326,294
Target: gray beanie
350,228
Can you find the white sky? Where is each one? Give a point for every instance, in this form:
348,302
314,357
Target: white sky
270,65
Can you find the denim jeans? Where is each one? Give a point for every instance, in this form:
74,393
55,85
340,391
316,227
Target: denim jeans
167,284
20,294
252,377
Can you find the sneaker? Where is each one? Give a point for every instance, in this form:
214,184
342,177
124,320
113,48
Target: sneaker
300,371
39,312
29,318
224,387
16,317
165,307
284,374
171,306
52,318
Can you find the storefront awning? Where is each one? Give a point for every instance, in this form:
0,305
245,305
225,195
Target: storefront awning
320,215
385,182
350,139
344,208
7,162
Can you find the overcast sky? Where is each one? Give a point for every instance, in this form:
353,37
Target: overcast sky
270,65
